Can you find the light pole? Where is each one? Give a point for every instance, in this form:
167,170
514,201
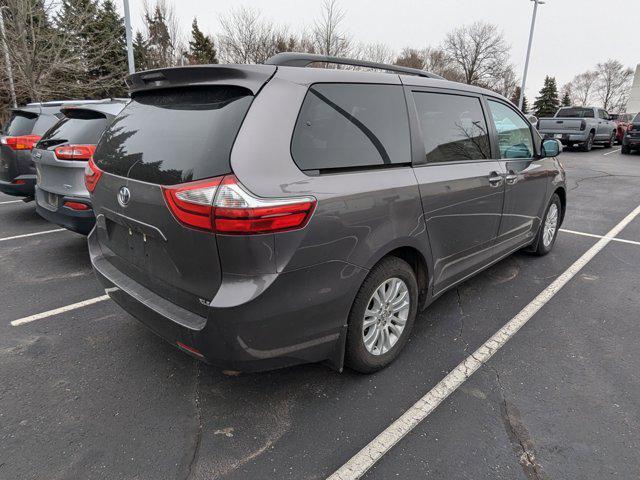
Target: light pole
7,59
127,27
526,63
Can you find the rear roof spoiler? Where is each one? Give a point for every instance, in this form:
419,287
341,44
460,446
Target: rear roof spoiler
251,77
111,108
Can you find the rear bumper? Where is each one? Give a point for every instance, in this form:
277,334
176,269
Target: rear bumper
254,323
566,138
631,142
19,189
79,221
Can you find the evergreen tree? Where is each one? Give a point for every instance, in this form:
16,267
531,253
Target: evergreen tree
76,23
111,65
140,52
525,105
160,47
566,99
515,99
201,48
548,102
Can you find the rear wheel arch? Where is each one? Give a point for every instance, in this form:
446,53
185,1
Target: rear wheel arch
419,265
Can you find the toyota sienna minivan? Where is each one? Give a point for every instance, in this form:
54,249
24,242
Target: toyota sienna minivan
259,216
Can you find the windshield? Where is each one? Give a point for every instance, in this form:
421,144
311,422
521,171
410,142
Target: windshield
174,135
575,113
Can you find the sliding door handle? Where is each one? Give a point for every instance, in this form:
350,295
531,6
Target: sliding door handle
495,180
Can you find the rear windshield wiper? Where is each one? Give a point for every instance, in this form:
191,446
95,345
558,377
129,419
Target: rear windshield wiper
50,142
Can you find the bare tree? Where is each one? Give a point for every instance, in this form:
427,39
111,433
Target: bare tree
612,86
480,52
436,61
411,57
247,38
328,37
505,83
373,52
582,88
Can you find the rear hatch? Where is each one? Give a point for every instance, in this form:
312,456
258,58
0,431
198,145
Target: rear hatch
163,137
20,124
63,174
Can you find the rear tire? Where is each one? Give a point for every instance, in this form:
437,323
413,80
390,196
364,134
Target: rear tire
363,353
611,141
588,145
625,150
548,231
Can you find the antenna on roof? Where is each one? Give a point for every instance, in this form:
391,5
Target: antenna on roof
294,59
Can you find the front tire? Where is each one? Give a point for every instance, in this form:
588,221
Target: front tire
548,231
382,316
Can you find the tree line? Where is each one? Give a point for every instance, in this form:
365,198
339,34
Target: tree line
77,49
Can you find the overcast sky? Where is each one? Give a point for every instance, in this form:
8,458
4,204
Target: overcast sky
571,35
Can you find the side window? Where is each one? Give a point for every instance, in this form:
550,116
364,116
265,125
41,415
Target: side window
514,134
350,126
453,127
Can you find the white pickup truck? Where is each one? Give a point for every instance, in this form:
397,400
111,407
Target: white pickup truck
581,126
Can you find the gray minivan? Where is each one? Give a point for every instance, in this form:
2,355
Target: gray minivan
259,216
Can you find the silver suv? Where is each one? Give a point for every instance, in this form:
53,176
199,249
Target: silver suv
258,216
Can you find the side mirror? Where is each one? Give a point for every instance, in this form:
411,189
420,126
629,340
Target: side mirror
551,148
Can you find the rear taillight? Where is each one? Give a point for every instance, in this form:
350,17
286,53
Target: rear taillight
583,125
75,152
22,142
223,205
77,206
19,181
91,175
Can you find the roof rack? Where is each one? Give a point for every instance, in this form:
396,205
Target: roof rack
294,59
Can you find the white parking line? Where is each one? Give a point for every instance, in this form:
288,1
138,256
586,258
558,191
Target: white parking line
633,242
362,461
57,311
11,201
5,239
611,153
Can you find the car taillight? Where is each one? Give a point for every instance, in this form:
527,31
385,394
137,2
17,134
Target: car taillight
583,125
77,206
21,142
91,175
75,152
224,206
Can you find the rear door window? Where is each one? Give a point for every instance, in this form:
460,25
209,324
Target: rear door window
453,127
21,123
514,134
174,135
342,126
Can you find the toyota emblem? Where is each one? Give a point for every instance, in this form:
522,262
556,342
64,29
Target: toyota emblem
124,195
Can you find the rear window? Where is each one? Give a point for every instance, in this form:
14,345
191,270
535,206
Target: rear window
637,119
84,131
21,123
175,135
351,126
575,113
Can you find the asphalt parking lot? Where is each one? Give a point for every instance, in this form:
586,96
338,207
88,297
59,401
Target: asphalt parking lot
89,393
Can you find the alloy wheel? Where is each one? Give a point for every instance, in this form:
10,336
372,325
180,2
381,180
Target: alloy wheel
386,316
550,225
